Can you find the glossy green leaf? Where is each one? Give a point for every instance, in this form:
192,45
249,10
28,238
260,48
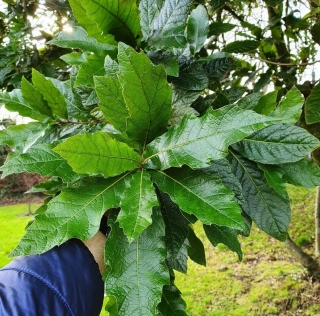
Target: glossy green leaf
250,101
266,103
224,235
119,18
167,29
197,28
78,38
312,106
98,153
75,213
177,229
241,46
196,251
34,98
112,104
42,160
178,114
147,94
172,303
289,109
51,94
136,204
218,28
202,194
218,68
278,143
182,97
268,209
197,141
136,271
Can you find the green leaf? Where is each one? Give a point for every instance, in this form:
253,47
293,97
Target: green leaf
216,4
136,272
241,46
196,250
147,94
202,194
93,66
178,114
98,153
74,59
263,81
250,101
148,11
289,109
218,68
222,169
177,229
51,94
315,31
64,220
119,18
112,102
169,25
42,160
136,204
278,143
191,75
218,28
198,141
267,103
111,67
273,3
268,209
15,102
34,98
172,303
78,38
167,59
312,106
224,235
197,28
182,97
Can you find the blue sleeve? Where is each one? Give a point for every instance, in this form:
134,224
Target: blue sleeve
64,281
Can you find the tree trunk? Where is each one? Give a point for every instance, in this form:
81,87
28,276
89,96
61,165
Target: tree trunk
304,259
317,223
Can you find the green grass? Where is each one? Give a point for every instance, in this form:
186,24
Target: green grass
266,282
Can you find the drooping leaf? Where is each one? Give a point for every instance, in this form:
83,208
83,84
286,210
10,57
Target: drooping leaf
167,59
241,46
267,103
217,28
197,141
268,209
168,26
196,251
136,204
42,160
202,194
172,303
289,109
51,94
75,213
225,235
78,38
250,101
146,92
112,103
278,143
136,272
177,229
222,169
197,28
98,153
312,106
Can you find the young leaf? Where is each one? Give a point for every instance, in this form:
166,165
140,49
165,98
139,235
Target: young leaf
146,93
196,250
224,235
289,109
42,160
202,194
268,209
312,106
78,38
197,141
197,28
172,302
98,153
278,143
75,213
136,271
136,204
112,103
51,94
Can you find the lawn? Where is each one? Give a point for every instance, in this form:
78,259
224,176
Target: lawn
266,282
